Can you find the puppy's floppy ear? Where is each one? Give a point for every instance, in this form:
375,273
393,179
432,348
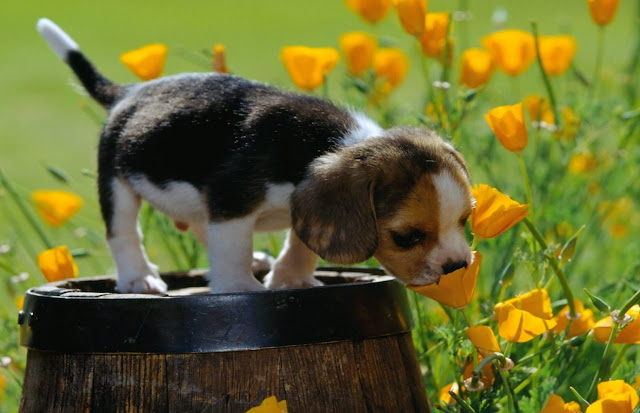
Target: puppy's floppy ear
332,209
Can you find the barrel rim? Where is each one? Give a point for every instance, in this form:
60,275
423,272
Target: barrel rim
60,319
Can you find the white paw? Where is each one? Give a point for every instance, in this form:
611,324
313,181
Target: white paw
149,284
237,284
277,281
262,262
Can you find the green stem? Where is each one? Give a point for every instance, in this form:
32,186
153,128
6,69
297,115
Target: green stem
556,267
619,358
545,78
506,382
603,362
599,57
527,184
23,208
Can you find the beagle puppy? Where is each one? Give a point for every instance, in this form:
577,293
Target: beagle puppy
227,156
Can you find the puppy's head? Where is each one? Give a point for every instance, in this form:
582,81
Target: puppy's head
403,198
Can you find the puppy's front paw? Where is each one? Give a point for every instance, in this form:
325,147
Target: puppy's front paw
149,284
279,281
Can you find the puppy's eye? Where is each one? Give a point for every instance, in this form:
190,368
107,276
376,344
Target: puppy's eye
408,240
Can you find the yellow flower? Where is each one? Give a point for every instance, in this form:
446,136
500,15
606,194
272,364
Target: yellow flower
146,62
57,264
494,212
219,63
411,14
308,66
507,123
513,51
630,334
19,301
602,11
525,317
539,109
443,394
483,339
454,289
270,405
358,49
370,10
556,53
557,405
581,325
476,68
581,163
610,405
434,38
56,207
390,64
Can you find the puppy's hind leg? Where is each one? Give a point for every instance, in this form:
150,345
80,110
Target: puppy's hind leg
294,267
120,210
230,248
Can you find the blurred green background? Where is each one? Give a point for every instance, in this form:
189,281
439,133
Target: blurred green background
41,116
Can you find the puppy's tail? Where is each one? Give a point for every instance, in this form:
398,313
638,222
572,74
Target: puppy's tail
100,88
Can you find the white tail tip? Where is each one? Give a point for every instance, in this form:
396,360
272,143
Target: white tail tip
57,39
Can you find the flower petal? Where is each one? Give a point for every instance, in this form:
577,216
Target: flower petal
483,339
454,289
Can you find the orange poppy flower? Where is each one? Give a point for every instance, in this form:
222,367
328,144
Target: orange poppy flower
454,289
56,207
358,49
602,11
614,396
57,264
630,334
525,317
557,405
390,64
219,63
370,10
539,109
513,51
411,14
146,62
483,339
556,53
494,212
434,38
581,325
270,405
507,123
308,66
476,68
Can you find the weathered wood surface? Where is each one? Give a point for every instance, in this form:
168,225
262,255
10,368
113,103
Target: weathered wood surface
372,375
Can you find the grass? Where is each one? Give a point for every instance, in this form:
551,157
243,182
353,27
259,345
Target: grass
44,122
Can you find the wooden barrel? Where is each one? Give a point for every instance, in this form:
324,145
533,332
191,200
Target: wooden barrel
343,347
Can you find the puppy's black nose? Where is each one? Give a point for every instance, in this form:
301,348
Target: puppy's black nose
452,266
